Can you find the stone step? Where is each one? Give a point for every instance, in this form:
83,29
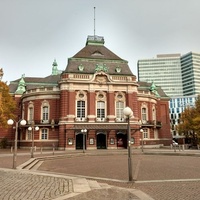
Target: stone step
81,185
104,185
31,164
94,184
28,164
37,165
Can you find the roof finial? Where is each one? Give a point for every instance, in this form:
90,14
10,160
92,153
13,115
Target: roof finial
94,23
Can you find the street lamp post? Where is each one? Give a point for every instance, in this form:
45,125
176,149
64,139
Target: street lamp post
129,113
32,136
84,131
142,136
22,123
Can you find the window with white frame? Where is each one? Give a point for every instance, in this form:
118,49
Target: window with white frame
101,109
44,134
30,116
119,105
145,133
144,114
45,113
80,109
119,109
101,105
28,135
81,105
45,108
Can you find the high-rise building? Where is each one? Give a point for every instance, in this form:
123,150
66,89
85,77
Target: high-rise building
164,71
190,67
179,77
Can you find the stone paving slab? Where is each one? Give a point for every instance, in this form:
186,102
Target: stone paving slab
167,178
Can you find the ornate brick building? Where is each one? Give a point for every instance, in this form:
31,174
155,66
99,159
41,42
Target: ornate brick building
83,105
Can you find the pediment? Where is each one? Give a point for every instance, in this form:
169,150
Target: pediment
101,78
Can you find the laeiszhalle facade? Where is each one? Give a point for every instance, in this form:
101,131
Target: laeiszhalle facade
83,105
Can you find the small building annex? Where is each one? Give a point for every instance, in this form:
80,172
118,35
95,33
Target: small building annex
85,103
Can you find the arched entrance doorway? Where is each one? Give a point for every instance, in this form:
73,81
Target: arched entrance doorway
79,141
101,141
121,140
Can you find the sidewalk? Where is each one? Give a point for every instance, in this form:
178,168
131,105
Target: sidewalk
28,184
60,186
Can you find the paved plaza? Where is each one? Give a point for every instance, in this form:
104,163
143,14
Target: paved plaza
102,174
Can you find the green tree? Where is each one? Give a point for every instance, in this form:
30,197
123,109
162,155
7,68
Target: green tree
190,122
186,121
7,105
196,118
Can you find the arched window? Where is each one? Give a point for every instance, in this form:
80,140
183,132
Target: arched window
45,112
154,113
119,106
80,112
81,100
101,106
30,116
100,109
144,114
119,109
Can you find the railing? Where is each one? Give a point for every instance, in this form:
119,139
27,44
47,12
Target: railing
151,123
51,122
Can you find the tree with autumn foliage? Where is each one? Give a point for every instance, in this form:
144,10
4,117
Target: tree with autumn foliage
7,105
190,122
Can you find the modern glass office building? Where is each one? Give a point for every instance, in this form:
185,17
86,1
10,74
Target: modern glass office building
164,71
190,67
178,75
176,106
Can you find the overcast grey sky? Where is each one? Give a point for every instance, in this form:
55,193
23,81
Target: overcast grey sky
34,32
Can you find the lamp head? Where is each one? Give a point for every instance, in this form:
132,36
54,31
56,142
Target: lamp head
23,122
10,122
128,112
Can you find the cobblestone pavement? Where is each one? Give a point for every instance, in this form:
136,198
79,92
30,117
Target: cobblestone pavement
163,176
16,185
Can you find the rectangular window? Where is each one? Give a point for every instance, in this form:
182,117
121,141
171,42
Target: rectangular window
80,109
119,109
44,134
30,116
100,109
29,135
45,113
145,134
144,114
